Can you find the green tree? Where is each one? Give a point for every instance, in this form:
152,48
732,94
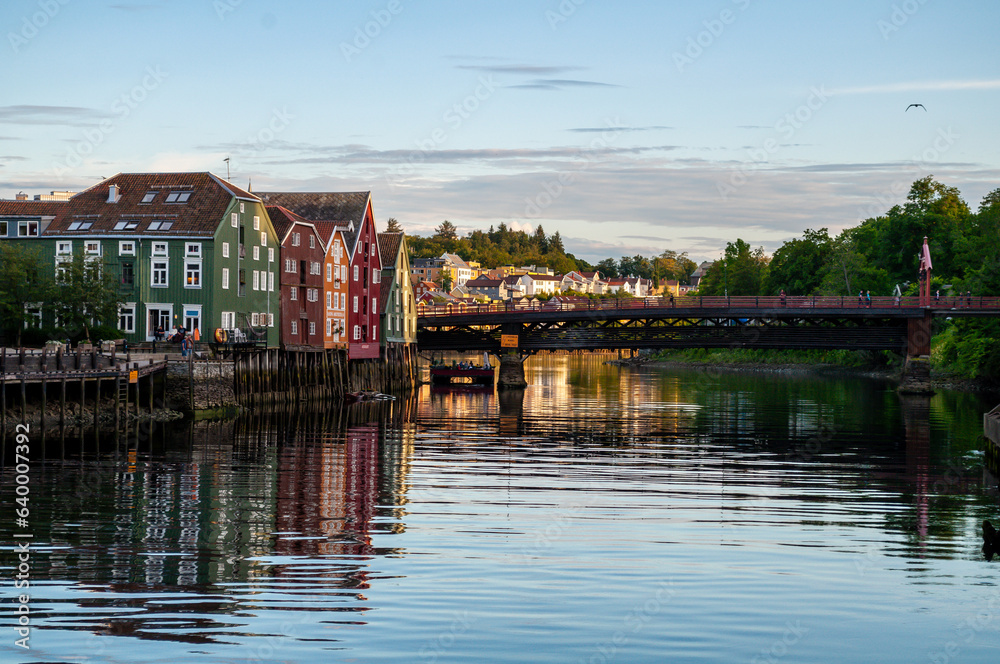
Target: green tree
798,265
607,267
741,271
85,291
23,283
446,231
392,226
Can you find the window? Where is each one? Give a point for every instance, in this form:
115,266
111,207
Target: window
243,282
270,254
255,318
228,320
256,253
270,282
256,219
225,279
295,327
75,226
355,272
295,239
159,225
126,317
256,280
126,248
192,249
225,250
374,333
159,248
159,274
294,294
312,328
329,272
234,220
148,197
373,248
336,249
127,225
355,304
376,275
357,332
263,239
312,241
3,229
178,197
64,248
29,228
289,265
315,268
312,294
128,273
329,327
270,320
192,274
329,300
374,306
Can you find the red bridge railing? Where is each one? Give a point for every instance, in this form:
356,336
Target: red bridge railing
714,302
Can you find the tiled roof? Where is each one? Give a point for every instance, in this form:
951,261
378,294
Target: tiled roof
201,214
283,219
388,247
457,260
483,282
342,208
31,208
326,229
544,277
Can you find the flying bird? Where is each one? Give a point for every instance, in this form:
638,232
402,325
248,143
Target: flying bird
916,106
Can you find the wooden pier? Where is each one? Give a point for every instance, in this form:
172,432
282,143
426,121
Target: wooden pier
78,376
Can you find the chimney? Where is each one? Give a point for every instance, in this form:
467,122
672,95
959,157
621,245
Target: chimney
113,194
21,196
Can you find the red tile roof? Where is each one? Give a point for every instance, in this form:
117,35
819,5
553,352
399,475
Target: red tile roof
388,247
31,208
210,198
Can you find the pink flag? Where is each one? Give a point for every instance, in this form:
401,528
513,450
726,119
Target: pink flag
925,259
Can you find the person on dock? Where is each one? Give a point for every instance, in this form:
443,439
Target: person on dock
782,296
185,345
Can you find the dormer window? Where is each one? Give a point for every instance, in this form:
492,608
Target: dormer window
27,228
159,225
178,197
80,225
127,225
148,197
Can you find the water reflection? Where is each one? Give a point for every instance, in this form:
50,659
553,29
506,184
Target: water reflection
550,513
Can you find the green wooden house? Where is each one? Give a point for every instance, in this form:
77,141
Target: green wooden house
399,311
188,250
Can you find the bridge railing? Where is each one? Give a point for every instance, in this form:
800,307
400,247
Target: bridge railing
712,302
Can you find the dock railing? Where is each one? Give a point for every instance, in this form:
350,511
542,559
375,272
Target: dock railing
991,425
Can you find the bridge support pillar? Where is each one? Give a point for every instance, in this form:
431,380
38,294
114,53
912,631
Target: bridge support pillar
917,370
511,374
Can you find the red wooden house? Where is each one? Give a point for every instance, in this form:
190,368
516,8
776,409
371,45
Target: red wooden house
302,259
352,210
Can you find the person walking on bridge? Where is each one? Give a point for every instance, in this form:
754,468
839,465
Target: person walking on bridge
861,298
868,298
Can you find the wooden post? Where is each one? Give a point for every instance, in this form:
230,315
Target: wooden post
118,404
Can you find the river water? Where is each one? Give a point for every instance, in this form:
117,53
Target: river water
604,515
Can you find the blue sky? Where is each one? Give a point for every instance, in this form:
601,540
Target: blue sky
629,127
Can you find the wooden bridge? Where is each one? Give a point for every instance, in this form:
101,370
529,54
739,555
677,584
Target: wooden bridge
900,324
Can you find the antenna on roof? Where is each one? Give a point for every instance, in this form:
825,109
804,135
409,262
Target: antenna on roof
227,168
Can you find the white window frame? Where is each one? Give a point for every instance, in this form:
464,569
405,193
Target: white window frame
329,300
263,239
234,220
294,328
192,249
295,239
256,253
329,272
64,248
270,282
312,241
293,294
256,222
225,279
92,247
355,304
160,249
256,280
158,267
127,309
270,254
192,267
225,250
312,328
126,248
357,332
355,273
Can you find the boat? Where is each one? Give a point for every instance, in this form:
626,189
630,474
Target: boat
443,374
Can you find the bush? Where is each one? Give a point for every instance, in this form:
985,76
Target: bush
100,333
